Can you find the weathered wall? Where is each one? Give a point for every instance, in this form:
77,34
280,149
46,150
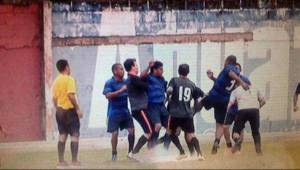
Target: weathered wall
20,72
270,59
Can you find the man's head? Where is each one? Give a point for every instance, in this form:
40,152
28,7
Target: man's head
183,70
117,70
63,66
157,69
131,66
230,60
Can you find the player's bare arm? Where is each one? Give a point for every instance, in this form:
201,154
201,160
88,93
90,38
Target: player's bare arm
74,101
210,75
296,107
146,71
116,93
235,77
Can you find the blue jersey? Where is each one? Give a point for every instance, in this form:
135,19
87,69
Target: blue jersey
224,85
156,89
117,106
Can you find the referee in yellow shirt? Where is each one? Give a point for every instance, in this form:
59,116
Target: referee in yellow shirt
67,112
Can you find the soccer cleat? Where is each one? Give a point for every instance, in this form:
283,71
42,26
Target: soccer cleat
132,156
114,157
215,149
236,147
181,156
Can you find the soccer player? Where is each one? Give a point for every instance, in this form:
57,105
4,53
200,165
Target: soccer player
296,107
249,103
231,114
156,100
182,91
218,98
67,112
115,90
137,93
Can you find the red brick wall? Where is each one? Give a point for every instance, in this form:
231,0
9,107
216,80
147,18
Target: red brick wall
20,72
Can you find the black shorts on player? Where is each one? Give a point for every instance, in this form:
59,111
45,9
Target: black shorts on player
142,117
67,122
186,124
158,113
119,122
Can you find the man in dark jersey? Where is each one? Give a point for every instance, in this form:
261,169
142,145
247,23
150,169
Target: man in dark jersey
137,93
115,90
218,98
156,100
182,91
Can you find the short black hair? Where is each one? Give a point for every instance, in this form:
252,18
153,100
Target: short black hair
183,69
61,65
156,65
231,59
114,66
128,63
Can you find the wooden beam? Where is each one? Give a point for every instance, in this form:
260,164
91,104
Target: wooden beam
157,39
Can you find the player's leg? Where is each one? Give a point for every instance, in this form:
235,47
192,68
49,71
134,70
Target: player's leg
189,145
63,134
229,118
154,111
173,125
143,119
238,127
114,143
254,124
74,133
128,124
113,128
165,118
189,129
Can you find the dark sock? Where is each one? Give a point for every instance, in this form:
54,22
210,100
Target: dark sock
196,145
74,150
114,152
154,138
257,143
217,141
130,142
61,151
191,147
160,140
176,142
167,141
140,144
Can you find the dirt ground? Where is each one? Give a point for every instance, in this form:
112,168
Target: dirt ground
279,152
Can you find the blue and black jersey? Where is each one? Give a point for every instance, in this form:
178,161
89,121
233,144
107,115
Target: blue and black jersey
118,105
156,89
224,85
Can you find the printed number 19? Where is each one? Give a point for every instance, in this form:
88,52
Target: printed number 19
184,94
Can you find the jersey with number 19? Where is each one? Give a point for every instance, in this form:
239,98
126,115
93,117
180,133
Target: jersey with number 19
183,91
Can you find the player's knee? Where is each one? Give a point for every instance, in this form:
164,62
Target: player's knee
157,127
63,138
190,136
148,135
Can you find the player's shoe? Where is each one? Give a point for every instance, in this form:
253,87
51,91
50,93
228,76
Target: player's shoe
181,157
62,165
114,157
76,164
236,147
132,156
200,157
215,148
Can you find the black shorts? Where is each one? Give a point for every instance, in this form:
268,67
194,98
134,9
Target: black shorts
186,124
219,103
244,115
67,121
142,117
229,118
116,122
158,113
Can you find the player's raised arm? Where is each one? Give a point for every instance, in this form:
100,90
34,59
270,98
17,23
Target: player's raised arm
210,75
237,78
145,72
261,99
